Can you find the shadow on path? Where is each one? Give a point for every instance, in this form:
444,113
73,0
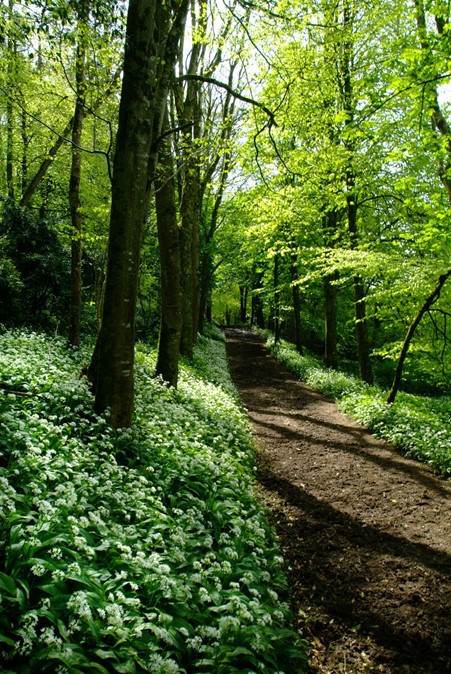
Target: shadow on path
364,529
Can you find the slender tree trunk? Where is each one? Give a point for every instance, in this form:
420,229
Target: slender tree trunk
331,310
257,304
330,297
25,144
276,299
296,297
190,214
206,267
363,345
429,301
152,43
361,324
45,164
75,178
439,123
11,55
243,304
187,238
190,203
171,295
209,309
206,276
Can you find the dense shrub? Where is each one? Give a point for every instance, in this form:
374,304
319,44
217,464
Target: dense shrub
34,270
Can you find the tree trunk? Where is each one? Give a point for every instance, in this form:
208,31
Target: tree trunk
152,40
433,297
361,324
363,344
171,295
190,215
11,55
257,304
276,299
25,144
296,297
45,165
206,276
331,310
223,154
243,304
330,221
439,122
75,177
190,201
189,246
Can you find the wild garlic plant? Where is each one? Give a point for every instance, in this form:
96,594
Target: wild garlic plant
143,550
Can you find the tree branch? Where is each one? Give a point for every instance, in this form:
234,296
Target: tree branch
429,301
62,138
233,92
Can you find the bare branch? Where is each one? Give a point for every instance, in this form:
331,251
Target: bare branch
61,137
233,92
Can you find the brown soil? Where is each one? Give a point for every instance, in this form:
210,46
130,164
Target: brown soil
365,530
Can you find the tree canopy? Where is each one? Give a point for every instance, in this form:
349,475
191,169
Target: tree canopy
286,164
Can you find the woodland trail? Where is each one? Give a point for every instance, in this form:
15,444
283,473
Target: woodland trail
365,530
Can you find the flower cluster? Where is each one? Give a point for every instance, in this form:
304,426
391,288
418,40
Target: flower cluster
143,550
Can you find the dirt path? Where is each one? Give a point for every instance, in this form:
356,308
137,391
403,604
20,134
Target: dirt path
365,530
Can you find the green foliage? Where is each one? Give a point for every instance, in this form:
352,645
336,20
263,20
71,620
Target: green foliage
136,551
353,90
34,281
418,425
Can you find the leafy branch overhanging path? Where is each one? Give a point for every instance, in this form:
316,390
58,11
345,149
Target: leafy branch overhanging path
364,529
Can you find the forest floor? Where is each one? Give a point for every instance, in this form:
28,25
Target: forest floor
365,530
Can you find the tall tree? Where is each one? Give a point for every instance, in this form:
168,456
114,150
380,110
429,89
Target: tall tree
11,47
346,62
75,172
170,265
189,105
153,35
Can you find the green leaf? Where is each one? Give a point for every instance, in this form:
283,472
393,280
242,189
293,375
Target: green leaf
7,640
128,667
7,584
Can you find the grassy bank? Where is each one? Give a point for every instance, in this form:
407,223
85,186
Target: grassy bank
135,551
418,425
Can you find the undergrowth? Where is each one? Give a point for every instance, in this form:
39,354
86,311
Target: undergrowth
418,425
136,551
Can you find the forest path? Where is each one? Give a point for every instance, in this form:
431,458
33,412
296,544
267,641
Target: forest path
365,530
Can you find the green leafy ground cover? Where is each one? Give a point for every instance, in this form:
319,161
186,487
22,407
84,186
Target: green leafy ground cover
418,425
135,551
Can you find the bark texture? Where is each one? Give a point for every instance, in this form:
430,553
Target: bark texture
330,223
296,298
152,39
75,178
170,269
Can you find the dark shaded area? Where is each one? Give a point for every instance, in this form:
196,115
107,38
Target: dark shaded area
365,530
34,270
